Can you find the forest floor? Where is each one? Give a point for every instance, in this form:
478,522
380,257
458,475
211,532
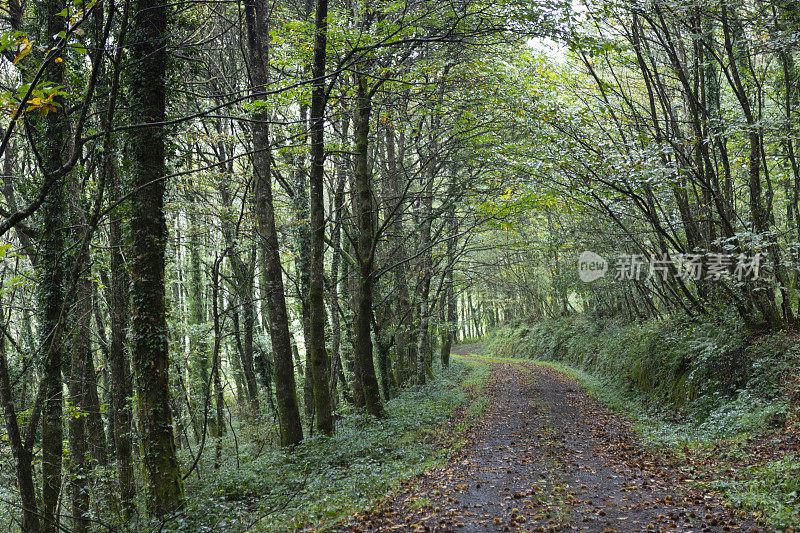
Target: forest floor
547,457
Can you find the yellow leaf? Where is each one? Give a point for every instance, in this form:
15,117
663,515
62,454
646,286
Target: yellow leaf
22,53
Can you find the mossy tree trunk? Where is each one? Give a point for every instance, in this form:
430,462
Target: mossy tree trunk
121,385
362,322
149,336
291,428
51,286
317,353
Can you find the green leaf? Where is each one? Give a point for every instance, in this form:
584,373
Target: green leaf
79,47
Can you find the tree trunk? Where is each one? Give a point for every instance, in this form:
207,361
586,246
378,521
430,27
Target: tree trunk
362,321
216,361
149,333
79,467
248,363
316,351
236,349
288,414
424,284
51,289
81,352
398,258
449,327
198,347
121,386
336,326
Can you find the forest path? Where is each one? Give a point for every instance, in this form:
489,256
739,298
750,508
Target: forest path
547,457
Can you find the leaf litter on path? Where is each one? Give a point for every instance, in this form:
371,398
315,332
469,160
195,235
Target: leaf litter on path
546,457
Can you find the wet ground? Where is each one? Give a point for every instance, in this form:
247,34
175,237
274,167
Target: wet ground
547,457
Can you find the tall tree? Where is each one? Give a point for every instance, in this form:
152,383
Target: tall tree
149,337
317,351
289,415
52,280
365,249
78,383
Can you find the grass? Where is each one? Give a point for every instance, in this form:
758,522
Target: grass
323,481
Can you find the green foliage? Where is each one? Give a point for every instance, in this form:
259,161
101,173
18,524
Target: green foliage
323,480
745,412
772,489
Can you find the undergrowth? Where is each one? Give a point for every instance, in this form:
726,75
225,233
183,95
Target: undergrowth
322,481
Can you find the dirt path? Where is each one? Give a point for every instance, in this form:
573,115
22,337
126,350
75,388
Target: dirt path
548,458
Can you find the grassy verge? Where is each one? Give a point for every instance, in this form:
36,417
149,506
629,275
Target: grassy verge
722,404
321,482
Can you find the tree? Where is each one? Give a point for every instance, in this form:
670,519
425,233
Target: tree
365,250
317,351
149,341
290,426
51,283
